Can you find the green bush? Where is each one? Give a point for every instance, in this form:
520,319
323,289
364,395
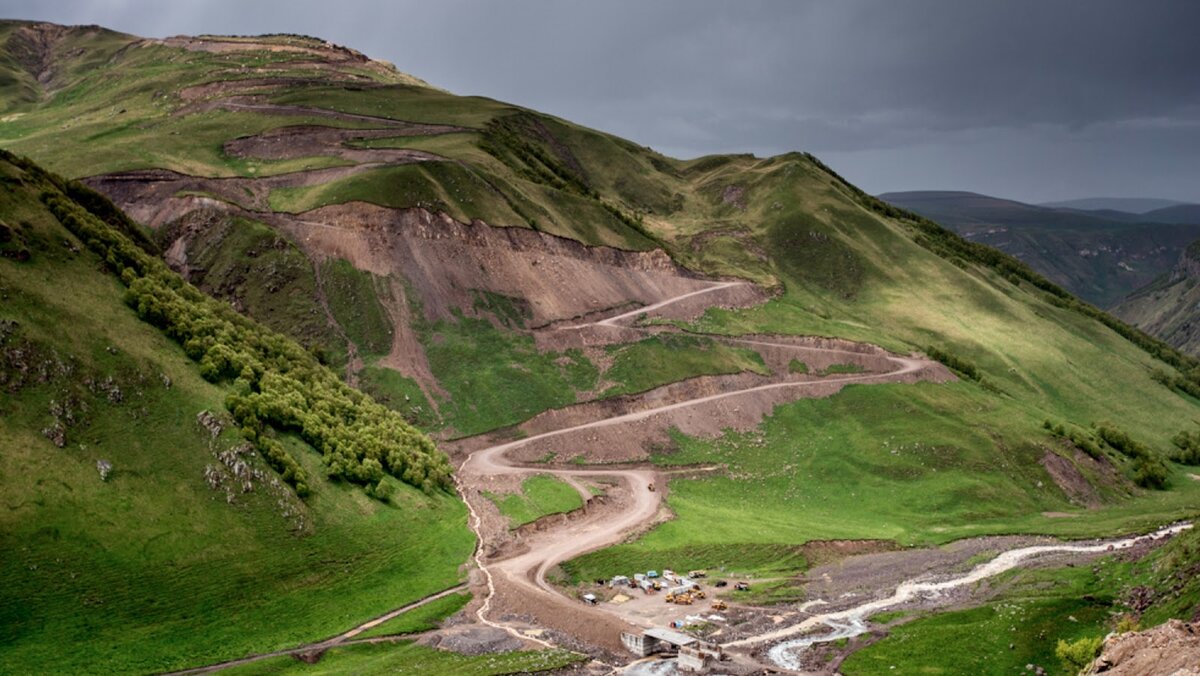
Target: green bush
1149,470
1187,445
1077,438
1077,655
953,362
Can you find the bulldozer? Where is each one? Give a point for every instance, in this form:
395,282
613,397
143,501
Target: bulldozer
698,593
684,599
718,604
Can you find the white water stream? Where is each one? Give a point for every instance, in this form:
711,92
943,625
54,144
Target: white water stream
853,621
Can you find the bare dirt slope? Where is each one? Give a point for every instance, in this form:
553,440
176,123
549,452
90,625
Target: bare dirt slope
1168,649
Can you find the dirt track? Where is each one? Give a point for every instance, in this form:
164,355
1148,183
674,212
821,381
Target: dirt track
516,584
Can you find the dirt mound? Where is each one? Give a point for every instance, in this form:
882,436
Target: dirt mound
473,639
1072,482
1172,648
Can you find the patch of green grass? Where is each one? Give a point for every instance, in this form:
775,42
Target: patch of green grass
841,368
447,187
408,658
889,616
423,618
400,102
354,299
1041,608
770,592
496,378
669,358
540,495
512,312
797,366
399,393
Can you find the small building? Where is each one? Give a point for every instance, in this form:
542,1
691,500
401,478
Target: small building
619,581
655,640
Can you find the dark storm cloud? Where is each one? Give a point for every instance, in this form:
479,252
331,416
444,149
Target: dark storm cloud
1034,100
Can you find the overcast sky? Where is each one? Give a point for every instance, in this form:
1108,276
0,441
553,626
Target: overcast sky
1030,99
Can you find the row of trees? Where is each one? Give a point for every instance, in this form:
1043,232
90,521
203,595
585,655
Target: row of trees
1149,470
277,385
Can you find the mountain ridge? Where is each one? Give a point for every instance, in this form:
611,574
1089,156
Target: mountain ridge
461,259
1102,256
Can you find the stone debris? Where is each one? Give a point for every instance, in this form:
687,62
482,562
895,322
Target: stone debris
210,422
1169,649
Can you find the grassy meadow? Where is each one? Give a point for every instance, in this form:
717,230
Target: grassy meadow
540,495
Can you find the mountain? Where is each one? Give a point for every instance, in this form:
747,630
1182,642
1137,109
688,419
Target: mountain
634,362
1130,205
1170,306
1102,256
1182,213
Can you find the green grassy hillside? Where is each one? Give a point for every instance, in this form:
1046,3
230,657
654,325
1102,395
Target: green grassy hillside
1100,256
842,264
192,548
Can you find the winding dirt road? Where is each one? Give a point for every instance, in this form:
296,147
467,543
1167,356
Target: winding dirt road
526,572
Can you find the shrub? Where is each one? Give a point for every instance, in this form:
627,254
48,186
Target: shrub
1077,438
1149,471
1077,655
953,362
1187,445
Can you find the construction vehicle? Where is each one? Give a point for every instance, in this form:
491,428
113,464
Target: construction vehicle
683,599
698,593
718,604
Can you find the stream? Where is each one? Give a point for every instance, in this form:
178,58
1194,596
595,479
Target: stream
853,621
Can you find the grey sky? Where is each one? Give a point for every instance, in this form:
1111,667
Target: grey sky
1033,100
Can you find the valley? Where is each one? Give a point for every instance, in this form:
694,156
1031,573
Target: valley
467,363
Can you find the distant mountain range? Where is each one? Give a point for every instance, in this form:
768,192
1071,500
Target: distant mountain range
1132,205
1102,255
1170,306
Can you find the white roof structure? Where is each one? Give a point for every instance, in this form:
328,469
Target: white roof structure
672,637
